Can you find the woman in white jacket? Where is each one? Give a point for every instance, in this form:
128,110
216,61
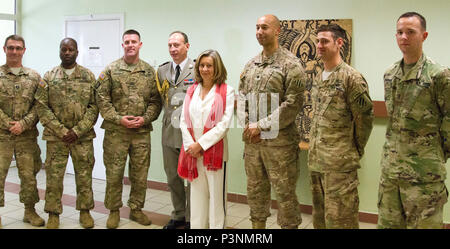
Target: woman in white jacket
207,114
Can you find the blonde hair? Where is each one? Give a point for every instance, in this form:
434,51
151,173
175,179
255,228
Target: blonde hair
220,72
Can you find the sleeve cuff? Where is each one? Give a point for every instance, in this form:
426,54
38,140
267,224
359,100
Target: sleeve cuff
119,118
76,131
202,144
24,125
64,132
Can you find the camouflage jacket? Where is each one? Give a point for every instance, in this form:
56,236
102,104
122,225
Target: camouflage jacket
417,137
17,102
67,102
342,120
280,79
122,91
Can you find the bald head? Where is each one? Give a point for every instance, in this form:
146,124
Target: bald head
271,20
267,30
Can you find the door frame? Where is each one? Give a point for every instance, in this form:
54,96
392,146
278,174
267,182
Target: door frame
96,17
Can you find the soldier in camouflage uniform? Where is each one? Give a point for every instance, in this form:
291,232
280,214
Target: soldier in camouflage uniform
271,138
18,132
128,100
67,110
174,78
412,191
341,125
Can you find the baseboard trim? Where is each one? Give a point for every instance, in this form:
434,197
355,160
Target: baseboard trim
242,199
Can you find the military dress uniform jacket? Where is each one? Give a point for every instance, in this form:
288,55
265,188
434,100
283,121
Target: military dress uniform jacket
17,101
417,137
281,75
123,90
342,120
172,96
67,102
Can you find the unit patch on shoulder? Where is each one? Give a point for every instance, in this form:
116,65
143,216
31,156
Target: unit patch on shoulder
102,76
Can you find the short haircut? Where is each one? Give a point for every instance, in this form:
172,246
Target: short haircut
15,38
336,30
220,72
69,39
422,20
131,32
186,40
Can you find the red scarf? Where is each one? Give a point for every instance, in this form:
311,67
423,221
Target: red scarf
212,157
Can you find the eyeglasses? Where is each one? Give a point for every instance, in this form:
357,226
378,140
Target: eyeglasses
11,48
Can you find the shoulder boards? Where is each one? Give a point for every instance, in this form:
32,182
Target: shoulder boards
164,63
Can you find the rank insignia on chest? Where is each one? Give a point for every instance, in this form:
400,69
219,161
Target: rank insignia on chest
17,87
188,81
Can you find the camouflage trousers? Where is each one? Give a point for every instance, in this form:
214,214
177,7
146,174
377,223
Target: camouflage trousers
276,166
82,154
335,200
404,205
28,162
116,148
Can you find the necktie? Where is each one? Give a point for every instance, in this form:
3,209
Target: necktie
177,74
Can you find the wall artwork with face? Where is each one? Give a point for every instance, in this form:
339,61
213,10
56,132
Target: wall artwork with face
300,37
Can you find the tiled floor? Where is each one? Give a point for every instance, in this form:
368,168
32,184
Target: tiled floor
158,207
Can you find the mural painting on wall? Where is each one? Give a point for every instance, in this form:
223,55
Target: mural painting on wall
300,37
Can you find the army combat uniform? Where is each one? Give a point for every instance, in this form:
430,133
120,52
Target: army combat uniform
68,102
172,95
341,125
412,191
17,104
273,160
127,90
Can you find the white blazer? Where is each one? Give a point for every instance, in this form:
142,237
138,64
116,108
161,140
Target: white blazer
199,112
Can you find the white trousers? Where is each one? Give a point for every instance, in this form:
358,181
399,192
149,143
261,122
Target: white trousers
208,198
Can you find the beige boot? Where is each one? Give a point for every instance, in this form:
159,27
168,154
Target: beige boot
140,217
258,225
86,220
53,221
32,217
113,219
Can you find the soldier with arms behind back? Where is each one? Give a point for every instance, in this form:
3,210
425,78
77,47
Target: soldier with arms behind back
412,191
128,100
341,126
